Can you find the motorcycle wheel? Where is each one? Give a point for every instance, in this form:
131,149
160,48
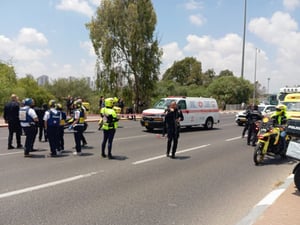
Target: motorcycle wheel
297,178
258,157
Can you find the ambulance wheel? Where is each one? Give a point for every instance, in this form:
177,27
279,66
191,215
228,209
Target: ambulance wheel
209,123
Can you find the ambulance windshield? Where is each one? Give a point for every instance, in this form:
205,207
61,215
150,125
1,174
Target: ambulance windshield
163,103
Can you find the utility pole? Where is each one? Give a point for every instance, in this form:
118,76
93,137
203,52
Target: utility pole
244,39
255,65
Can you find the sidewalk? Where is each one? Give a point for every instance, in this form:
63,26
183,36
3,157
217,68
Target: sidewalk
284,211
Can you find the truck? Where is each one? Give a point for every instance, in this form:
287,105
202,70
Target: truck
292,102
197,111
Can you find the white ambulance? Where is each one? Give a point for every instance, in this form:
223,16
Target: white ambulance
197,111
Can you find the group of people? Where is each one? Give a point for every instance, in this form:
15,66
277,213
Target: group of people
23,117
279,117
49,121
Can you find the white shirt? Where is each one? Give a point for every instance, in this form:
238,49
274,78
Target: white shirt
31,113
47,114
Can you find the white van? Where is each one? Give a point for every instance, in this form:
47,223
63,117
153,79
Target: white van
197,111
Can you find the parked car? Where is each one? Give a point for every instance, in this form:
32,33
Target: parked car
266,110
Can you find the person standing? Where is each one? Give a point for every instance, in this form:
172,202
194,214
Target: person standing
110,124
172,121
248,112
11,117
61,127
254,116
41,125
51,123
101,103
78,126
28,120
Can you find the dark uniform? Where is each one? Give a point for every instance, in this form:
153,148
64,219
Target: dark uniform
246,127
172,118
41,126
11,116
254,116
85,126
28,120
52,120
78,126
62,124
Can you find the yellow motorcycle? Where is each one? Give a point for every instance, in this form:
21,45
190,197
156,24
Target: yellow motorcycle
268,141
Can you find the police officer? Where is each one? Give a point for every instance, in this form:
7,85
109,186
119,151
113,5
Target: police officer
61,126
51,123
78,125
110,123
253,116
11,116
246,127
40,111
280,117
172,121
28,120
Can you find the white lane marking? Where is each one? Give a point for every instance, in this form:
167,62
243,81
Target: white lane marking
163,156
125,138
271,197
46,185
233,139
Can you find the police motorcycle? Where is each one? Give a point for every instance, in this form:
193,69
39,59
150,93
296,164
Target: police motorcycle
268,141
293,150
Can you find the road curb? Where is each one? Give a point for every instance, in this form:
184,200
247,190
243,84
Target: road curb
266,202
95,117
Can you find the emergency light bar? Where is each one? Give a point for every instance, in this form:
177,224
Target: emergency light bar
290,90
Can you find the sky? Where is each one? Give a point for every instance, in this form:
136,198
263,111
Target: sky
49,37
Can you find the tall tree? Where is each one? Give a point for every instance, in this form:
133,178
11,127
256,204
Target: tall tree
230,90
185,72
122,36
224,73
8,80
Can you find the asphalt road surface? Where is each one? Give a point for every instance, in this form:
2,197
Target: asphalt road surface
213,180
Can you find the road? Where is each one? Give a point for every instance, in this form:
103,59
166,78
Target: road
212,181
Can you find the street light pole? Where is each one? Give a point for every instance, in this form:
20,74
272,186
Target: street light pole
255,65
268,85
244,38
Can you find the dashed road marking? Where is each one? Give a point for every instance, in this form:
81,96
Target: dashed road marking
163,156
46,185
233,139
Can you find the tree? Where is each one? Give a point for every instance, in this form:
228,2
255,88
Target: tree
208,76
226,73
122,37
29,88
63,87
8,81
185,72
230,90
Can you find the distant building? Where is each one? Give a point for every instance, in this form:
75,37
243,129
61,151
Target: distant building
42,80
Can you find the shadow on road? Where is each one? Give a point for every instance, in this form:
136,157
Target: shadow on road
119,157
182,157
